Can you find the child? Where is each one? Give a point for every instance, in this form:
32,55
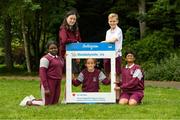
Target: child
132,85
69,31
50,73
114,35
90,77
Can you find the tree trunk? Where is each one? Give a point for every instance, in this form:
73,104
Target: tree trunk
7,42
36,40
24,32
177,25
142,24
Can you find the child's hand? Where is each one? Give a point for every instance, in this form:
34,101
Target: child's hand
73,77
117,88
47,92
65,55
116,82
109,76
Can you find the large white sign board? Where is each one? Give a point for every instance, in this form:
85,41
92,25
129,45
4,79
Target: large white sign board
83,51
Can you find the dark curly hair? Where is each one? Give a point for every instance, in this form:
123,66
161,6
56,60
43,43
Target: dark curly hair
50,42
130,52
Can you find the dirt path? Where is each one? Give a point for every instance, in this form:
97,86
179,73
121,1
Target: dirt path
165,84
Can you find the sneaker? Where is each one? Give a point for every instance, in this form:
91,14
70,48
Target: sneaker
32,97
24,101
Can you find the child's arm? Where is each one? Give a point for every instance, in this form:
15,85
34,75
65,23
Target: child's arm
64,37
78,81
137,76
44,63
116,37
112,40
118,83
79,37
104,79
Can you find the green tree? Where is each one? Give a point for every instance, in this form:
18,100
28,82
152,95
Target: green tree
33,21
132,13
7,27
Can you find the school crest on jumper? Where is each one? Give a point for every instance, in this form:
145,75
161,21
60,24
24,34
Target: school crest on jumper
131,72
94,79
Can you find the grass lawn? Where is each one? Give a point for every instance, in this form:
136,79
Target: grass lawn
159,103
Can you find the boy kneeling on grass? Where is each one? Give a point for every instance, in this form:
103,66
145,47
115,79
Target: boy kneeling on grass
132,84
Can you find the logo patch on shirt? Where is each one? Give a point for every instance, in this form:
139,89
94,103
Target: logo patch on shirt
94,79
73,94
131,72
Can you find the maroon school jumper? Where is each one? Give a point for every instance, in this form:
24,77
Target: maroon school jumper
132,84
51,78
67,36
90,80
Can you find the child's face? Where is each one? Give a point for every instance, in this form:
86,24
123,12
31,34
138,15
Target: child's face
53,50
130,58
90,64
71,20
112,22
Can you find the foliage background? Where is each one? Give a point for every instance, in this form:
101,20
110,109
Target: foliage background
39,21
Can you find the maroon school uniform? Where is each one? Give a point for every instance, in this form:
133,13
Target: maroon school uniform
132,82
67,36
90,80
107,65
51,74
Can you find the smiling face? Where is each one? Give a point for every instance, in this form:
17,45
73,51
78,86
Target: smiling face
53,49
113,22
90,64
71,20
130,58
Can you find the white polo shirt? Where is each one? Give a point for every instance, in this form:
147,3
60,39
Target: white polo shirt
116,33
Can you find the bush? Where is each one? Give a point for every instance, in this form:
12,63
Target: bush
17,70
156,46
168,69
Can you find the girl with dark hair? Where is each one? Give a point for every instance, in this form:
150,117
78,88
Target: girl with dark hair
69,31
